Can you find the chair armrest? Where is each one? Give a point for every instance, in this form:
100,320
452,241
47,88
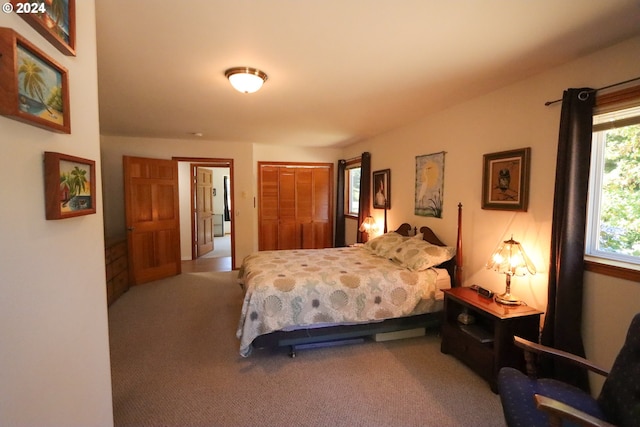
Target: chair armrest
532,347
558,411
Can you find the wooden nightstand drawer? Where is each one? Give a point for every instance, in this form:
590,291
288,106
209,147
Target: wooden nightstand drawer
470,351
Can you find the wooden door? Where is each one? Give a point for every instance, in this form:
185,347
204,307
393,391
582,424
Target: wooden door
322,206
204,211
269,179
295,202
304,207
288,237
314,208
152,218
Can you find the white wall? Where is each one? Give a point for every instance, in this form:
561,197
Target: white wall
184,202
510,118
54,351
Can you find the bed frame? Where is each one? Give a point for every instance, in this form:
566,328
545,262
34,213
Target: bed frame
346,334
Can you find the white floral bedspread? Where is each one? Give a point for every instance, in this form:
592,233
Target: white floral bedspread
297,288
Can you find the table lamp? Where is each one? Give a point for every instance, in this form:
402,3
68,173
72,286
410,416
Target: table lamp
511,260
369,226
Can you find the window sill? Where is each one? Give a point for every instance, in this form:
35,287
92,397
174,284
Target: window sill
351,216
595,265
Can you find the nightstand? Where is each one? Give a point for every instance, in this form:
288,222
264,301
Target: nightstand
482,337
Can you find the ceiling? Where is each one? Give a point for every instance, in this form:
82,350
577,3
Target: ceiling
340,71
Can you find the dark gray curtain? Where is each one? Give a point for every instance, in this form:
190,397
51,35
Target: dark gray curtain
227,214
340,239
563,319
365,194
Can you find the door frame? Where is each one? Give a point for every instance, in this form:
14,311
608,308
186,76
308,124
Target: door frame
211,162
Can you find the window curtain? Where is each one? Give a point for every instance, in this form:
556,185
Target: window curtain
365,194
340,238
563,320
227,214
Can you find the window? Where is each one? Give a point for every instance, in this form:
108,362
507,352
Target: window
352,190
613,223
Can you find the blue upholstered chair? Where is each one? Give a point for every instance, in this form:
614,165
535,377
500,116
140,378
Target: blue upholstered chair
529,402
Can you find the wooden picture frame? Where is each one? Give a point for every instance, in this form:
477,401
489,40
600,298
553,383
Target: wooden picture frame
54,20
70,186
505,180
34,88
382,189
429,185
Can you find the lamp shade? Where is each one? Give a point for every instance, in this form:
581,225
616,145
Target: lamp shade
246,79
510,258
369,225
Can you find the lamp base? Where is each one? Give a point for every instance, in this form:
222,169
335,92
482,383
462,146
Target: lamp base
507,299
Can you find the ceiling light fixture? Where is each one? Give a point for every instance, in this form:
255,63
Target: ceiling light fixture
246,79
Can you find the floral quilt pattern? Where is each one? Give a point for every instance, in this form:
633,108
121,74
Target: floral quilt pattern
290,289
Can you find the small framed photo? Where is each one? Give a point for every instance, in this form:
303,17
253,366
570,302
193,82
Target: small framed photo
70,186
34,88
505,180
55,20
382,189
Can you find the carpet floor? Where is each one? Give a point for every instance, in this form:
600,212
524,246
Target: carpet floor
175,362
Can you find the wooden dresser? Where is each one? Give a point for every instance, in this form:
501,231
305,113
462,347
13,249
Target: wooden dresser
116,261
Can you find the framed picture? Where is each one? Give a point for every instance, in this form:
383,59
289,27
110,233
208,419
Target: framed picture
69,185
505,180
33,87
55,20
382,189
429,185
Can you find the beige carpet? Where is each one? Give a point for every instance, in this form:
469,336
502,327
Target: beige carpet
221,247
175,362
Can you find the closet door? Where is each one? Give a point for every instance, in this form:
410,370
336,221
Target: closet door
295,206
314,208
322,207
305,207
269,208
288,227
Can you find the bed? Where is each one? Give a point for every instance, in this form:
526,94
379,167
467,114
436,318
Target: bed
316,297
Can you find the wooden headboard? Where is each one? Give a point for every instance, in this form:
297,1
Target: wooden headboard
454,265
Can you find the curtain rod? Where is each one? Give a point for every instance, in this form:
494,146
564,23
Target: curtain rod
596,90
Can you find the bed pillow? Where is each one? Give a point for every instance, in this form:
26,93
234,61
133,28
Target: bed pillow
418,255
385,244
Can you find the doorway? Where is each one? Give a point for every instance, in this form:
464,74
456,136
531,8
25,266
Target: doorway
206,213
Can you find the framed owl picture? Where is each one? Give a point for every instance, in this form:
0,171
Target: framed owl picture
505,180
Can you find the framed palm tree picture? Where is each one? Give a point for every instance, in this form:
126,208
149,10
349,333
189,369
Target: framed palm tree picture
70,185
33,87
55,20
